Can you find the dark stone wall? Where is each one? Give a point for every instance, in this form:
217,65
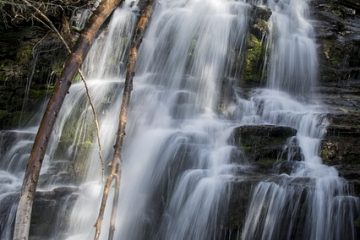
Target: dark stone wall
337,27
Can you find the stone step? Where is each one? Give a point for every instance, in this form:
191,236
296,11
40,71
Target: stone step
265,145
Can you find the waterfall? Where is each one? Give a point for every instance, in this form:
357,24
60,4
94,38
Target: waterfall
178,161
293,60
177,157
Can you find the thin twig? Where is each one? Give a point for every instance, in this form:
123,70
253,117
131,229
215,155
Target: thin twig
114,207
96,123
52,27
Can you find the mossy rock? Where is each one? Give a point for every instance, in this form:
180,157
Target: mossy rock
254,60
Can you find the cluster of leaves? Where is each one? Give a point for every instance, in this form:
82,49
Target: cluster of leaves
16,12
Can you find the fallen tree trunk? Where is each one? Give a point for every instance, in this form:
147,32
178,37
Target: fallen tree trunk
115,173
23,215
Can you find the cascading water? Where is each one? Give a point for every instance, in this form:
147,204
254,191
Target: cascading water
324,196
293,60
178,159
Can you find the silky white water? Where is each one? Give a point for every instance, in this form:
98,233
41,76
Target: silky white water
176,160
178,164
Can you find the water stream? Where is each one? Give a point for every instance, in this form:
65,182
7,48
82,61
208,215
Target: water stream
179,158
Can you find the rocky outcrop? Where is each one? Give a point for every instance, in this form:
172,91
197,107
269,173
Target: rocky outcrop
265,145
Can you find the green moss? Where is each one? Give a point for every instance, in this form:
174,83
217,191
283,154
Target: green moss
79,149
329,152
81,159
87,144
79,141
254,57
324,154
57,67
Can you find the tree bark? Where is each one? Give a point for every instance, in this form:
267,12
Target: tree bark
23,215
115,173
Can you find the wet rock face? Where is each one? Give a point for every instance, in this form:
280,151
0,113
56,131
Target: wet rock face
337,28
47,205
241,189
267,148
263,145
341,146
50,212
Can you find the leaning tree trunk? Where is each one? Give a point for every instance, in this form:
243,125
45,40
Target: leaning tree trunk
115,174
23,215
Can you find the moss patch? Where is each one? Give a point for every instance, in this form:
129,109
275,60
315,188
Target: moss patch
254,59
